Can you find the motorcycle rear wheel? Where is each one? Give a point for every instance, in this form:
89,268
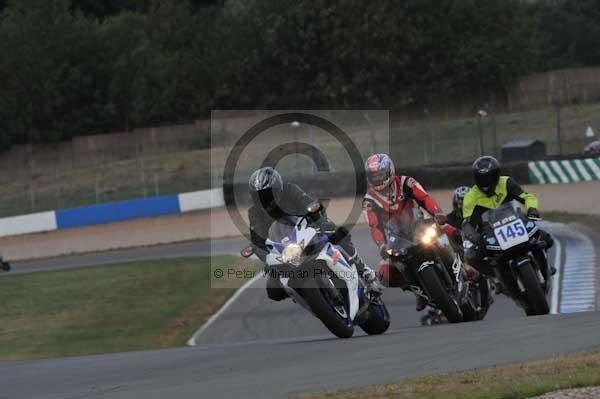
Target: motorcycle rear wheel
378,321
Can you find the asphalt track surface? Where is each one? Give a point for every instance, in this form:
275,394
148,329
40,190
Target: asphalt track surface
262,349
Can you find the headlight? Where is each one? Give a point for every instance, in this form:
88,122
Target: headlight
292,254
429,235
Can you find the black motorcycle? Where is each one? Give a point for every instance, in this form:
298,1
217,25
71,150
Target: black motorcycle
516,255
431,268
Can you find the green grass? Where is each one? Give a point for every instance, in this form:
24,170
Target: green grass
516,381
410,145
121,307
458,139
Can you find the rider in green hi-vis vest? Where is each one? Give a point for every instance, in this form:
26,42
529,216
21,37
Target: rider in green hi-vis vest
491,190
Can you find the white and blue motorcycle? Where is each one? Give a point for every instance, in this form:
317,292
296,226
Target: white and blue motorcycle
316,274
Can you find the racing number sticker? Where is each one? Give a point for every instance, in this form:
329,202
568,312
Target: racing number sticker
511,234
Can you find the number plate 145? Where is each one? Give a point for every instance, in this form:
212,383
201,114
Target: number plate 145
511,234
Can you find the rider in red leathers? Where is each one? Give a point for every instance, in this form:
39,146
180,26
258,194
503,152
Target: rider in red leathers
389,197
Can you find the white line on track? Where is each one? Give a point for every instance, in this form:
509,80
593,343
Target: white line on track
578,285
214,317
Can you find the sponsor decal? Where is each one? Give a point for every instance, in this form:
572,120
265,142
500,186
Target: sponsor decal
425,265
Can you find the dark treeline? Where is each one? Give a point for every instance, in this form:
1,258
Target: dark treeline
75,67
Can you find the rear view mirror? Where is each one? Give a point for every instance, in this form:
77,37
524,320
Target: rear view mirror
314,207
247,252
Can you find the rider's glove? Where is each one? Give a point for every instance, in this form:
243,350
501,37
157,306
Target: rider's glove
533,213
440,218
383,251
474,238
328,227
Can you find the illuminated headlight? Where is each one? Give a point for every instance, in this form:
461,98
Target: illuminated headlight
429,235
292,254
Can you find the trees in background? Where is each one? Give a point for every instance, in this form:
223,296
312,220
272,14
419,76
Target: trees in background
72,67
48,84
569,33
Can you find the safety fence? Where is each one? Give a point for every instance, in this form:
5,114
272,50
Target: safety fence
537,172
564,171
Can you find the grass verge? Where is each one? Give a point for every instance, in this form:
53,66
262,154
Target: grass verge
515,381
122,307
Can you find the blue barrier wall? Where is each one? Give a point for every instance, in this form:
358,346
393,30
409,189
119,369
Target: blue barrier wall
117,211
112,212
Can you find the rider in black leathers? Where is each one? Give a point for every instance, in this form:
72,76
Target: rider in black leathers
273,199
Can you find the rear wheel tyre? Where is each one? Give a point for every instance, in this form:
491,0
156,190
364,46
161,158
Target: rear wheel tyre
378,321
480,290
533,291
469,312
440,296
6,266
318,300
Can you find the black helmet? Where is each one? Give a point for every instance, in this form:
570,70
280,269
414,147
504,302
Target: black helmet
265,186
486,171
458,197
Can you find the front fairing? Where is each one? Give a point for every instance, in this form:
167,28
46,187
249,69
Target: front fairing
333,257
293,230
494,218
404,240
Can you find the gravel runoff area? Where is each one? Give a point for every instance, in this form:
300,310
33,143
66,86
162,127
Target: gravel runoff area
580,393
577,198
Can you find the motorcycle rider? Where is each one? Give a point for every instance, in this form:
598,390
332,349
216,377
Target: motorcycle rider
455,218
492,190
273,199
388,197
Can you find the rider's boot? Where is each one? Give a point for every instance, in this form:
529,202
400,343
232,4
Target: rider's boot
472,273
421,303
367,274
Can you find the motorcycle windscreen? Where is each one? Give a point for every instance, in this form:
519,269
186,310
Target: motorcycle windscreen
282,228
492,216
506,225
400,230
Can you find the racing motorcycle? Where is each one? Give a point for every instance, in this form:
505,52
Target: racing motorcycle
316,274
516,253
419,249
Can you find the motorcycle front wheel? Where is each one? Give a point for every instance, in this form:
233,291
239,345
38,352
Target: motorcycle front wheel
333,315
533,291
440,295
